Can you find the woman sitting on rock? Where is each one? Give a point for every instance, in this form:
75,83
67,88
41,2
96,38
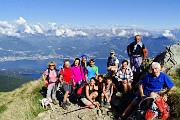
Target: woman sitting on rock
90,94
125,76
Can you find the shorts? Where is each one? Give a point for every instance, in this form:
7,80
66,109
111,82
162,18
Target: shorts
85,101
67,87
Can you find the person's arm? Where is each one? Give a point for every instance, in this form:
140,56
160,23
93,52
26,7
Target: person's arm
118,75
87,94
44,76
141,91
96,73
130,78
111,93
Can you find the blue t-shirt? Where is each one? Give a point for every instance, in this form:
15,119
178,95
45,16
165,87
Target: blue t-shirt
92,71
151,84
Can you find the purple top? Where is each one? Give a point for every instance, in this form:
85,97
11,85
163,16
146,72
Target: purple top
78,73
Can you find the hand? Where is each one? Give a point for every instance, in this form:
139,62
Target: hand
165,97
124,81
109,99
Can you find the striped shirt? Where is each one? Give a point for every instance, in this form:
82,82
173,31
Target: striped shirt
127,75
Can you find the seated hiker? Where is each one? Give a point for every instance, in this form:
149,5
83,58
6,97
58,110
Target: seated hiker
151,86
137,53
112,63
100,84
92,70
77,73
107,92
89,94
50,78
125,76
66,82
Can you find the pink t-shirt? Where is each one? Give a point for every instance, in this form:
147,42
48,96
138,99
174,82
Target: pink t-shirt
52,75
78,73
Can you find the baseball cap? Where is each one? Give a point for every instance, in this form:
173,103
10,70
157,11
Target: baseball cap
84,56
112,51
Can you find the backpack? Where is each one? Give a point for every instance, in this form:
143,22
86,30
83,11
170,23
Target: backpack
57,69
80,90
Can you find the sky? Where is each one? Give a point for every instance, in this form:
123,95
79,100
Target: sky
156,14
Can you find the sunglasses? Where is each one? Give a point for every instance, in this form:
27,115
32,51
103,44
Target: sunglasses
51,65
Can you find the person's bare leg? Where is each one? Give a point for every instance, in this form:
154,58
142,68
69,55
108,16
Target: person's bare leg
65,96
125,87
154,95
129,109
129,87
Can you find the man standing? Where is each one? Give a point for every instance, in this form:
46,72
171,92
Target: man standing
112,63
137,53
92,70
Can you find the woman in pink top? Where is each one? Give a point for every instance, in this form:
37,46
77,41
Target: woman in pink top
77,71
50,77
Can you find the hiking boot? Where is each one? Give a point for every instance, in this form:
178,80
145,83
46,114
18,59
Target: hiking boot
54,101
118,94
68,103
101,104
107,105
64,106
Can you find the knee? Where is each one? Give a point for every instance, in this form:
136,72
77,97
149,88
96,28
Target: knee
153,94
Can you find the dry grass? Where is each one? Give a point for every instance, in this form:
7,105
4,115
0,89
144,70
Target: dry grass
22,103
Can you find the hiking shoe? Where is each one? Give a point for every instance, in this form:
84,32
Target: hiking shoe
64,106
68,103
107,105
54,101
101,104
118,94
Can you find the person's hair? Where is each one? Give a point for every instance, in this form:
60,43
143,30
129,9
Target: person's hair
136,36
75,60
93,78
100,76
109,78
156,64
66,60
50,63
125,61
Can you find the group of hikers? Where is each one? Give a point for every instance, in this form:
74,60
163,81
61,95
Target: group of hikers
96,90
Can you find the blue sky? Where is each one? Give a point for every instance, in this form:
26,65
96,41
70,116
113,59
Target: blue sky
146,13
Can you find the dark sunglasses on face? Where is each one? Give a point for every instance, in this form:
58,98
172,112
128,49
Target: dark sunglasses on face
51,65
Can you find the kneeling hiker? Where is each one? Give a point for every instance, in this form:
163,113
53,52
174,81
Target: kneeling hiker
107,92
90,94
151,86
66,81
50,78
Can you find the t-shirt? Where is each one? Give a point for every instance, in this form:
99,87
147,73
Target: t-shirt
78,73
151,84
112,61
92,71
52,75
67,74
127,75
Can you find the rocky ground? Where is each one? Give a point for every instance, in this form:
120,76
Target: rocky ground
75,112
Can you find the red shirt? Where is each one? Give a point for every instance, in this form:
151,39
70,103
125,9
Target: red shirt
67,74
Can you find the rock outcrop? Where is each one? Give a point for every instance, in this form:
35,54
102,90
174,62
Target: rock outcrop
170,60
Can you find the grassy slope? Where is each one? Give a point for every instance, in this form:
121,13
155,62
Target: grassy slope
22,103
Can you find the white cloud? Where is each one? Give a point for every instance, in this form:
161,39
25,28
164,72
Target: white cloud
22,23
38,29
167,33
8,29
123,33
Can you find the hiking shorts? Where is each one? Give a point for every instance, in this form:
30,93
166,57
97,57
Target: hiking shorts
85,101
67,87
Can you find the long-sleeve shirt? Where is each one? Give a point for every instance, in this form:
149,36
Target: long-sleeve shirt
77,73
128,74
